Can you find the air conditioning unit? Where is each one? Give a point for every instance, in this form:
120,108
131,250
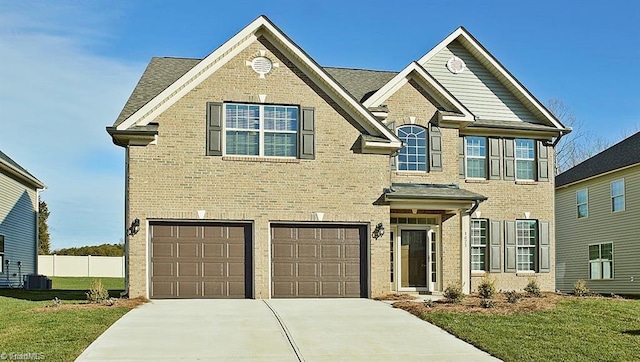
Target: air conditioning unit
37,282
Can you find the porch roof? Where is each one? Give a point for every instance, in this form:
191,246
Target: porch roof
416,192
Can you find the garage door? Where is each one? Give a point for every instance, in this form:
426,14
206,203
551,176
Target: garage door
318,261
200,260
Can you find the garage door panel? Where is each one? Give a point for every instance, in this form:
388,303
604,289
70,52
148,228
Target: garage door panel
283,289
162,250
189,289
326,262
236,269
307,270
283,250
188,269
283,269
307,251
308,288
213,250
199,261
331,251
213,269
160,269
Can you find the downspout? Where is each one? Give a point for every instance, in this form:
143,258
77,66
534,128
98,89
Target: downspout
562,133
126,221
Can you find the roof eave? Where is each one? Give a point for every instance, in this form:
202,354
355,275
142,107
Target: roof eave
29,179
124,138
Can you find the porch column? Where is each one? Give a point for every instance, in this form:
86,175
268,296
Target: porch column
465,251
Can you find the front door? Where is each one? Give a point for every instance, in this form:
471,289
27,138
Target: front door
413,259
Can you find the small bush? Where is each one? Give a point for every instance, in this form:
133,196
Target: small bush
580,289
533,289
97,292
487,303
453,293
512,296
55,302
429,303
487,288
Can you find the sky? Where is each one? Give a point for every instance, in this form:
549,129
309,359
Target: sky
68,67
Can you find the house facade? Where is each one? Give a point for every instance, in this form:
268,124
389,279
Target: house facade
18,222
257,173
597,211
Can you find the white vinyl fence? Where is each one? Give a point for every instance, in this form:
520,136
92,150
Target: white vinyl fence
81,266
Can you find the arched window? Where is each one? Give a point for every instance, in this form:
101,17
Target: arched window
413,156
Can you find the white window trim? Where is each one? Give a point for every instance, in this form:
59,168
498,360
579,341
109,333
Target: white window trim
485,246
533,247
586,203
600,260
426,150
624,201
261,131
516,159
467,156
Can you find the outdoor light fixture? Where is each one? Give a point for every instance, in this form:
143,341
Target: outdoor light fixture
378,231
134,228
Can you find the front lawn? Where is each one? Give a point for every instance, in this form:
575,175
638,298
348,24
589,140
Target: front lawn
30,324
83,283
576,329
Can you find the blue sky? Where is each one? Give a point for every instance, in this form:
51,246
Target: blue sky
67,68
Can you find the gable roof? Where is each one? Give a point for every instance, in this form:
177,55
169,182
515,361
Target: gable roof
262,26
10,166
499,71
361,83
623,154
431,86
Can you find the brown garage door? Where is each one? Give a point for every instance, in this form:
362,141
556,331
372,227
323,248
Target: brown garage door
318,261
200,260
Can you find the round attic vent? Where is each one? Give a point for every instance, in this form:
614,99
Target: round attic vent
456,65
261,65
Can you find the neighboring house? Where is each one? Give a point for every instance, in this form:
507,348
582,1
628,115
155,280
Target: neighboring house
18,222
597,213
257,173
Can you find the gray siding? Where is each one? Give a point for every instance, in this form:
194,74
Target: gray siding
573,235
483,94
18,219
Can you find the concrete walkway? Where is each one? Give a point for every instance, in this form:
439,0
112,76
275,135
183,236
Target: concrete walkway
276,330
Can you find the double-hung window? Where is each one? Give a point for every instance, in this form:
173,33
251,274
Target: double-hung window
261,130
525,159
617,195
526,243
601,261
478,244
413,156
582,202
476,157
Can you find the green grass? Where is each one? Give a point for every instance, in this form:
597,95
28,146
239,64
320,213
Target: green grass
59,334
576,330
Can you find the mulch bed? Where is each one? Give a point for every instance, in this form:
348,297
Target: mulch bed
119,303
395,296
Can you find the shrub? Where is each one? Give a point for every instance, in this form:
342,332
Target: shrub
580,288
487,288
487,303
512,296
429,303
97,292
533,289
55,302
453,293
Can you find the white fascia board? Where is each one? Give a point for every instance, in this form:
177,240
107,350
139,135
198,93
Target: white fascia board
461,32
21,175
386,145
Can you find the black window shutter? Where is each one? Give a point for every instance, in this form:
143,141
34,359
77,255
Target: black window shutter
461,170
214,129
307,136
510,247
392,162
435,148
494,159
543,162
544,265
509,160
494,253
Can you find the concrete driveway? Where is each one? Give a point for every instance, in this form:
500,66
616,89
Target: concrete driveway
276,330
